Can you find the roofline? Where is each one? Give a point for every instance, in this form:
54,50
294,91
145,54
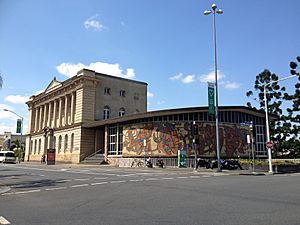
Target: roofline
111,76
172,111
76,77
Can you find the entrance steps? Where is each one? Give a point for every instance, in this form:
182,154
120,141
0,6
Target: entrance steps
95,159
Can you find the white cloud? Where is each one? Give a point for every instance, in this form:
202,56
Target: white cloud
5,114
7,128
188,79
150,95
16,99
70,69
231,85
176,77
184,79
210,77
94,23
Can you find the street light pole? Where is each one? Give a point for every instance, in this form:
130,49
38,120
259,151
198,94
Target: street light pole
207,12
21,134
267,118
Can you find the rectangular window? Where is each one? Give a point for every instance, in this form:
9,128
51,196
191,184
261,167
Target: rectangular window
122,93
120,144
106,114
107,91
260,141
121,113
112,141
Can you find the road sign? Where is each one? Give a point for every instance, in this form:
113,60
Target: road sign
211,98
269,144
19,125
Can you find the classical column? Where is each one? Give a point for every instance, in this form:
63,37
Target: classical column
49,115
60,112
45,116
66,110
72,107
40,120
36,119
54,112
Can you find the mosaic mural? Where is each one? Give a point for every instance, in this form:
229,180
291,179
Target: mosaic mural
165,139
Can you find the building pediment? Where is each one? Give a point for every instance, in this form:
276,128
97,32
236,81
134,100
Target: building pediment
53,85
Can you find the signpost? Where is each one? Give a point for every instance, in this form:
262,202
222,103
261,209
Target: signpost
269,144
50,156
181,158
19,125
211,98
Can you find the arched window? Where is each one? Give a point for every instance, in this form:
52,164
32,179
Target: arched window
66,143
106,112
72,142
59,143
121,112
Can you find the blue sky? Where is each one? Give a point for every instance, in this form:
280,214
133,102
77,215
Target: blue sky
166,43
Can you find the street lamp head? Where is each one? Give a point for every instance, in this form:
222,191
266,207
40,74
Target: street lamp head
5,110
219,11
214,6
207,12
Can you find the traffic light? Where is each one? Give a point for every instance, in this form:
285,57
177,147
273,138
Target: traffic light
195,129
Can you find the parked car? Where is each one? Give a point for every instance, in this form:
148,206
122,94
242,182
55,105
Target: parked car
7,157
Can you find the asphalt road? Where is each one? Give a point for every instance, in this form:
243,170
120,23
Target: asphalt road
87,195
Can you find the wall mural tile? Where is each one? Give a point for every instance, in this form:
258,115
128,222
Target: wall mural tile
165,139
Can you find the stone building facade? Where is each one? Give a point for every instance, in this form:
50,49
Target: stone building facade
57,116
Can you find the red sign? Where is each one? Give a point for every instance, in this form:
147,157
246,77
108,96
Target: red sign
50,156
269,144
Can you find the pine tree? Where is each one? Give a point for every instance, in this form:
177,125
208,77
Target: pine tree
285,130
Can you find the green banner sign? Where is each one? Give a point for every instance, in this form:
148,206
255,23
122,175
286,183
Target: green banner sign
19,126
211,98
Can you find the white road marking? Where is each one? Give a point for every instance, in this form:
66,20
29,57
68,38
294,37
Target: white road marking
100,178
118,181
151,179
136,180
181,177
9,193
194,176
206,176
54,189
99,183
167,178
79,185
83,179
3,220
25,192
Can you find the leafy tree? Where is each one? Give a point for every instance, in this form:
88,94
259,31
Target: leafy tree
18,148
285,130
